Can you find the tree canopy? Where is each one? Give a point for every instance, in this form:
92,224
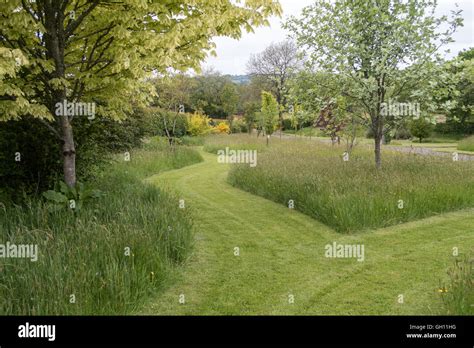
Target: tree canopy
103,52
381,48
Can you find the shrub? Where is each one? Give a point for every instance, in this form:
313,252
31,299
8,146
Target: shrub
387,137
238,126
466,144
40,165
198,124
222,128
402,133
369,133
286,124
421,128
38,162
164,122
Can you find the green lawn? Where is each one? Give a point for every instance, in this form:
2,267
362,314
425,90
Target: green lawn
282,254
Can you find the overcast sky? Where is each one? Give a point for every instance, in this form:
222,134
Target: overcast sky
232,55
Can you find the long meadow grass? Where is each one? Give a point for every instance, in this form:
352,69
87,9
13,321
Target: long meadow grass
107,258
466,144
459,296
353,195
215,143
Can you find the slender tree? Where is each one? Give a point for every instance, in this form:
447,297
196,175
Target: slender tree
269,113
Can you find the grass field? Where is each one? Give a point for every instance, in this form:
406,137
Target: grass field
250,255
353,195
467,144
281,254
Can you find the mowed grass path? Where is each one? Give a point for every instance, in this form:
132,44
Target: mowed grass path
282,254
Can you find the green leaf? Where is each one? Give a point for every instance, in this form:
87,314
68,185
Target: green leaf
54,196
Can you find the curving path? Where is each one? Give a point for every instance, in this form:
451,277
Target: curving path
281,253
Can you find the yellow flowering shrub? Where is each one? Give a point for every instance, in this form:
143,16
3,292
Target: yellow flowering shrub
222,127
198,124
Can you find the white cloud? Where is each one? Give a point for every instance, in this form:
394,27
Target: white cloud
232,55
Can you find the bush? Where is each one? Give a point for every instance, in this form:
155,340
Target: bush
40,166
161,122
222,128
39,161
452,127
402,133
244,128
238,126
387,137
369,133
421,128
198,124
286,124
466,144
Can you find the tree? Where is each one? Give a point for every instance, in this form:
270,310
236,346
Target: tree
381,48
269,113
67,52
173,92
275,66
461,91
421,128
250,115
298,117
333,118
173,97
214,94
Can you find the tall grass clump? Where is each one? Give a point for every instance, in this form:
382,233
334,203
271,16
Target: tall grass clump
458,294
352,196
467,144
83,265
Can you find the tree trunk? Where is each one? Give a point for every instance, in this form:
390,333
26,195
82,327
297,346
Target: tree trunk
55,44
281,125
378,153
268,138
69,152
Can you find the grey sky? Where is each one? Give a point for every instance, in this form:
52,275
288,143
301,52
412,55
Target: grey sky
232,55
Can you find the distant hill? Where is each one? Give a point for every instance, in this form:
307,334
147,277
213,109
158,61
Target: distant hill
240,79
